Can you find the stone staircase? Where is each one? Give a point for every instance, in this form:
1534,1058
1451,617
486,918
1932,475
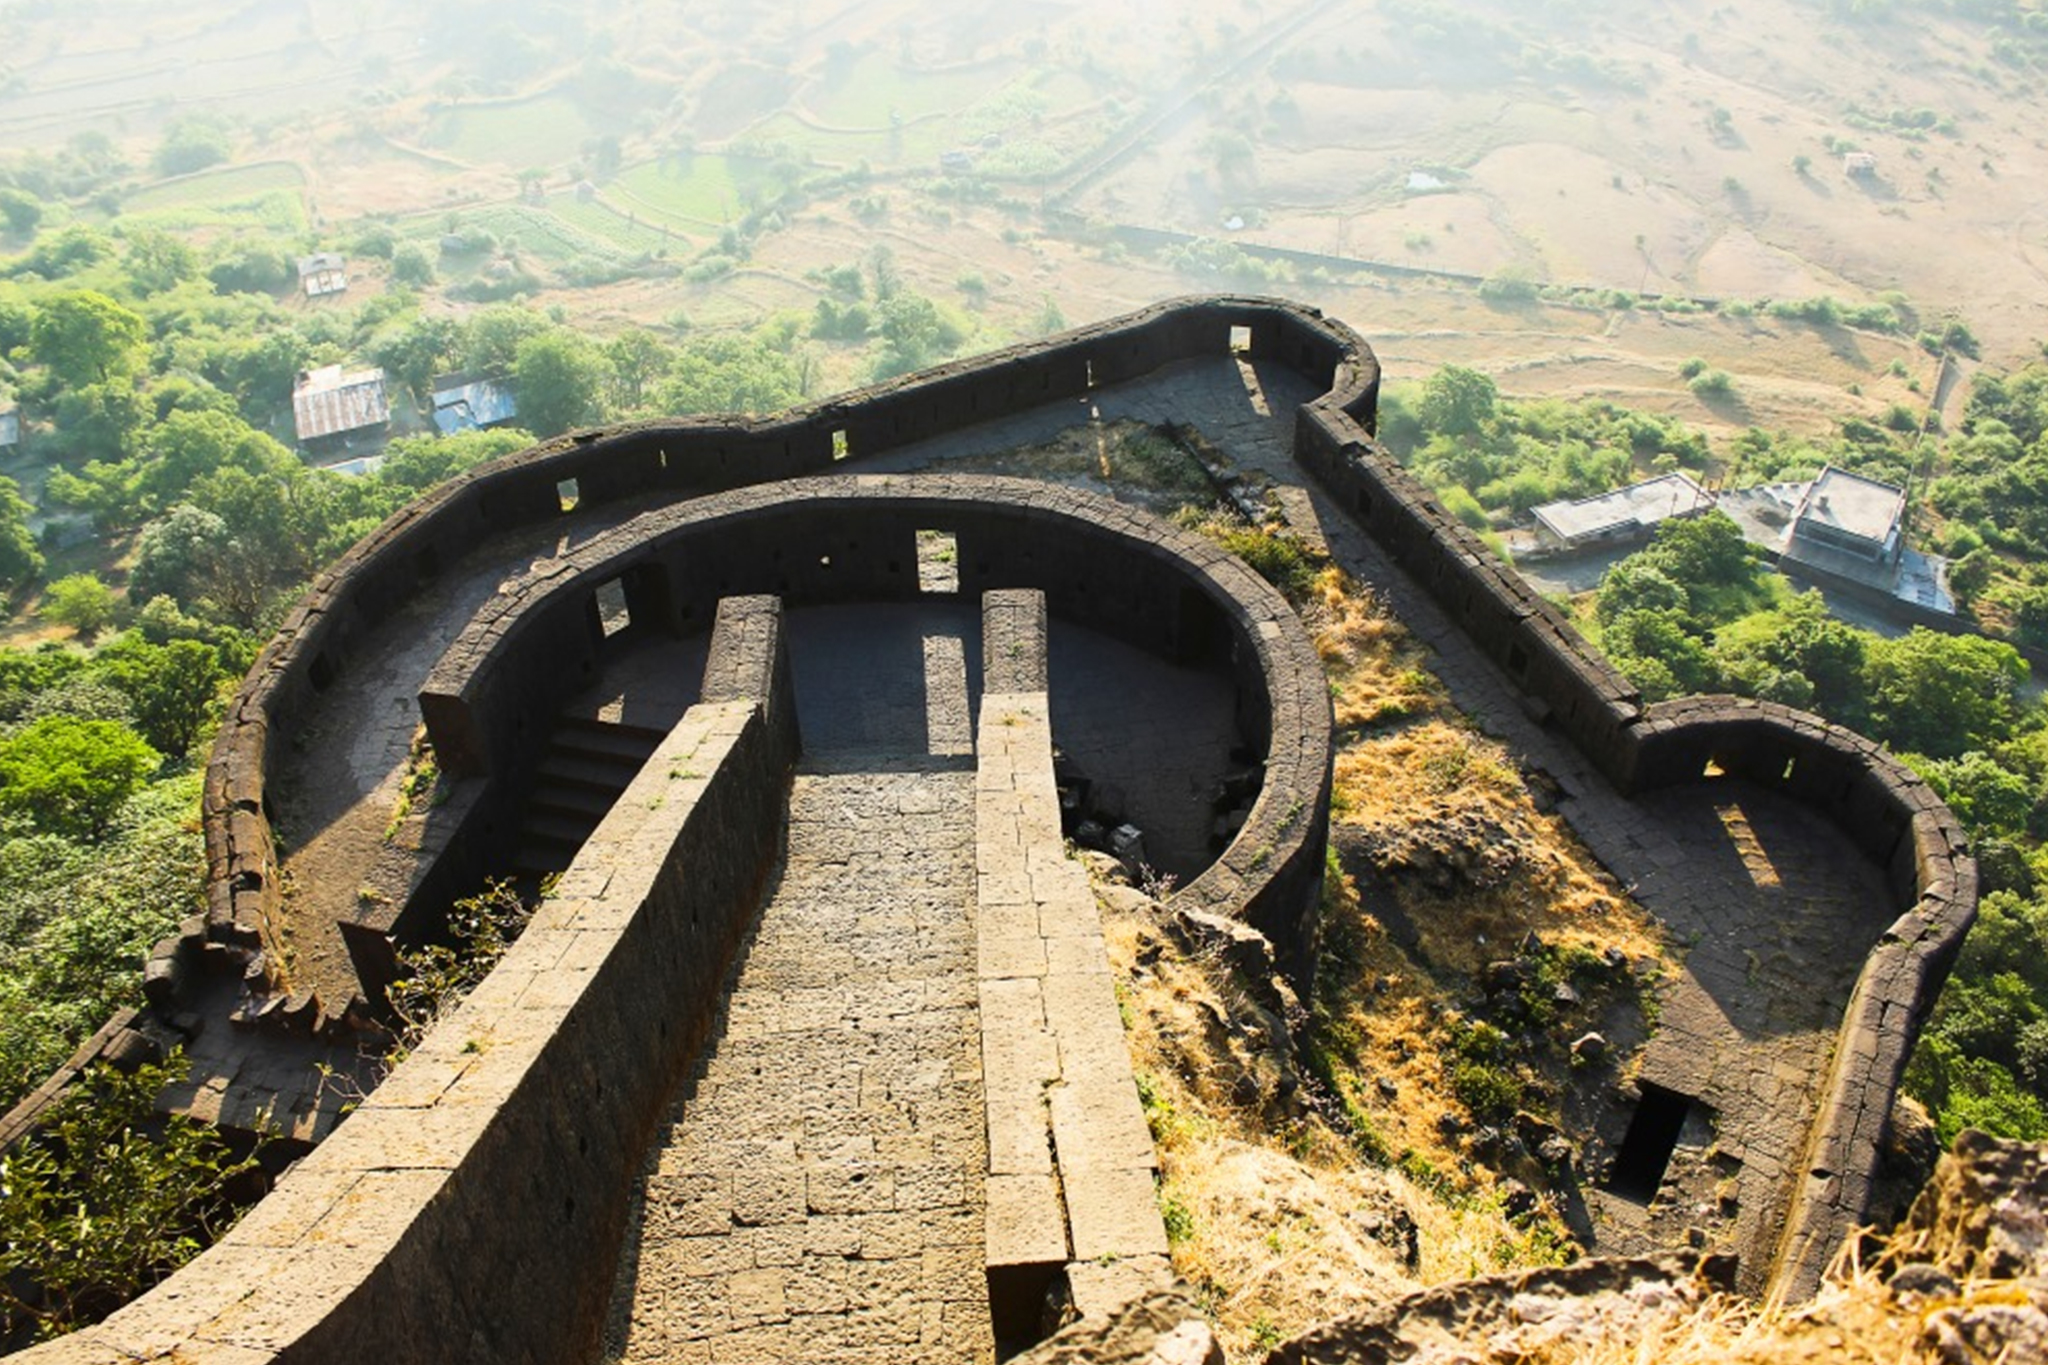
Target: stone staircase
588,764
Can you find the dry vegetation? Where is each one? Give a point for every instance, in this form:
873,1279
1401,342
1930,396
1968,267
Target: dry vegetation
1289,1207
1856,1319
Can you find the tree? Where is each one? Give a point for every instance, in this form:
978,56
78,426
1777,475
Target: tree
731,373
411,266
107,1198
495,334
1942,695
638,358
84,337
20,560
157,261
250,268
68,776
1457,401
100,421
417,463
560,378
192,144
170,687
81,602
1970,575
21,210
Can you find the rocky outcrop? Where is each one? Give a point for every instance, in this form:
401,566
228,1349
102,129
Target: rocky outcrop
1512,1317
1162,1328
1983,1218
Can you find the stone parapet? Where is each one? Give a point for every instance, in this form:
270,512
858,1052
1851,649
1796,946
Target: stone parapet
458,1213
1072,1169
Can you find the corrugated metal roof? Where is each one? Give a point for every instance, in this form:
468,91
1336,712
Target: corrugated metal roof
328,402
465,404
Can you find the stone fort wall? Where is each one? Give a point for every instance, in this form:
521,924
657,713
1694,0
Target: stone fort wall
1887,810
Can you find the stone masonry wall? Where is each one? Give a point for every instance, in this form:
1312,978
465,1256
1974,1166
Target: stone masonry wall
1071,1163
457,1212
1095,561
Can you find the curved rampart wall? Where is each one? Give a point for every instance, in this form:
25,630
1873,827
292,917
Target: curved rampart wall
1099,564
1881,805
374,581
458,1213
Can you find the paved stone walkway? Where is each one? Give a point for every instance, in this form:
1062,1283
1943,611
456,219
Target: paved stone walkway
818,1192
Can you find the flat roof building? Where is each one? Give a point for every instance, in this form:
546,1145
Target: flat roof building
328,403
1625,514
1853,514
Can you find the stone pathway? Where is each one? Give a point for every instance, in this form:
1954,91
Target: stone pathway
818,1192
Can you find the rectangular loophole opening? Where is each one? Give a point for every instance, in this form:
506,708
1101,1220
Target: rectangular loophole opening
612,612
1652,1137
1241,340
1790,764
1091,372
1364,503
1518,661
840,450
568,493
938,562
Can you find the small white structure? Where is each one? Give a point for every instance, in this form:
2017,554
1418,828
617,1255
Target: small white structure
1859,163
10,429
1852,514
1624,515
323,273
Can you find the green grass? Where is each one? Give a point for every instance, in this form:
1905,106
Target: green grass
269,195
690,191
868,92
216,189
602,223
544,131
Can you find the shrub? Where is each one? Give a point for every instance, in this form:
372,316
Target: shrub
106,1200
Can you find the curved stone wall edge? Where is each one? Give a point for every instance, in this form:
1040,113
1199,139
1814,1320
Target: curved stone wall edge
374,578
1268,875
1899,822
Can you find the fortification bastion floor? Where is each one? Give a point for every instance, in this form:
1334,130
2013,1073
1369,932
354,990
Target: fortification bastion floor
857,992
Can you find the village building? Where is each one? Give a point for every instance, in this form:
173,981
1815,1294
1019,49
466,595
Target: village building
10,429
323,273
1620,517
332,408
1850,513
465,403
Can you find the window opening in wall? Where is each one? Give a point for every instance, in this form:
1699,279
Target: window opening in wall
1790,764
938,562
612,612
1652,1137
569,494
840,449
1091,372
1241,339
